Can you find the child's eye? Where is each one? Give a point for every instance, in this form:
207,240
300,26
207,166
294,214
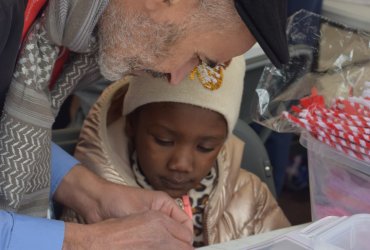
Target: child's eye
163,142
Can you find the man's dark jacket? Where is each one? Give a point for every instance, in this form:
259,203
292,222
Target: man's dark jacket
11,25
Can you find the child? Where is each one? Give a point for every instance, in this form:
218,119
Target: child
178,139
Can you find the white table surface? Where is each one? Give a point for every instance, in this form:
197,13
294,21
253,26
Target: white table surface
251,240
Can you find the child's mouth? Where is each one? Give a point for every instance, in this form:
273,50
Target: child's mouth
177,183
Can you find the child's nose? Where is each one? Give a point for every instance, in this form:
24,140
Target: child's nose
181,160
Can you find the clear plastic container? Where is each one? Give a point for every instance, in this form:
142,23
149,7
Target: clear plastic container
352,233
339,184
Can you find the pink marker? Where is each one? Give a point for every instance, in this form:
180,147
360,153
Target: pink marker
187,205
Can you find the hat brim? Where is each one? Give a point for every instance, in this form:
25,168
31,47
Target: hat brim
266,19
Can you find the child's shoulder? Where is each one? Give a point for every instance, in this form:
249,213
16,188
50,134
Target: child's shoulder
250,182
246,176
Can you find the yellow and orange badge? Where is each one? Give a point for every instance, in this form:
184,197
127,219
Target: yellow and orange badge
210,78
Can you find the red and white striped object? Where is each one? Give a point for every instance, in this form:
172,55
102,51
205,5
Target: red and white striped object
345,125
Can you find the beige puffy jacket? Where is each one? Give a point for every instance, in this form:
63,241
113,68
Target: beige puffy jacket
240,205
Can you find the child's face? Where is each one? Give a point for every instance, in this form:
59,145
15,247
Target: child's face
176,144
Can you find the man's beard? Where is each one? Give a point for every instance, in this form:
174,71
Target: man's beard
131,42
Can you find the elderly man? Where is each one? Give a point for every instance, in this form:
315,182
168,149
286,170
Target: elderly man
74,39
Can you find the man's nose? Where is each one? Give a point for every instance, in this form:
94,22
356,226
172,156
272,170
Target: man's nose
179,74
182,160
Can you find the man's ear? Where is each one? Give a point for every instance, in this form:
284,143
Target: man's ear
167,10
172,1
153,5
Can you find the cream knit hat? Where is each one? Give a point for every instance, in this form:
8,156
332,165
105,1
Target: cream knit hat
225,100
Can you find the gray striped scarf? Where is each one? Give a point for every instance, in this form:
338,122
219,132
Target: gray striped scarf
30,107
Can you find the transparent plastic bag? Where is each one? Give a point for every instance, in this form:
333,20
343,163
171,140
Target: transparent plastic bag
326,56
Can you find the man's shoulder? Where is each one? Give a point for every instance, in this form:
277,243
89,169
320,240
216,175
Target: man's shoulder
7,6
11,11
